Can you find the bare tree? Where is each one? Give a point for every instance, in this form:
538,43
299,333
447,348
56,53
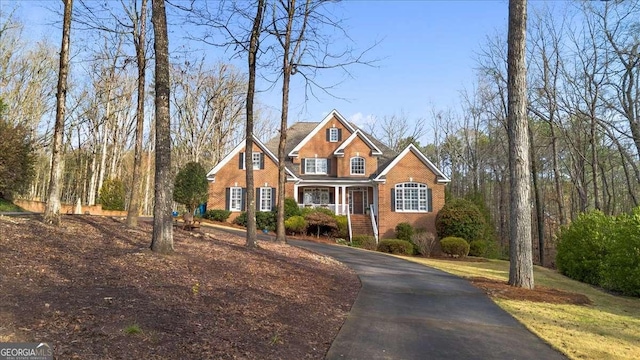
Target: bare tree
252,56
162,241
521,262
52,209
139,39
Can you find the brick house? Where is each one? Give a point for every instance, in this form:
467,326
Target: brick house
335,165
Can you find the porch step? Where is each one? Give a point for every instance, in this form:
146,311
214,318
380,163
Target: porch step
361,225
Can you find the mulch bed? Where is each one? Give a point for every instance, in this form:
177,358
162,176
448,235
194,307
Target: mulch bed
502,290
93,289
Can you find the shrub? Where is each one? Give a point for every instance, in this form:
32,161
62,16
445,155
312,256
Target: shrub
454,246
582,247
241,219
478,247
404,231
364,241
291,208
217,215
343,226
295,225
18,158
424,243
191,186
266,220
321,223
395,246
309,210
460,218
621,266
112,195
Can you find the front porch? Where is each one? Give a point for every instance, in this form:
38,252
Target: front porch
340,199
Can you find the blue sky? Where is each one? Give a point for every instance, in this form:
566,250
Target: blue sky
427,55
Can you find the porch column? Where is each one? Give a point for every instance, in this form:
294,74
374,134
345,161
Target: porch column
375,199
335,199
295,192
345,208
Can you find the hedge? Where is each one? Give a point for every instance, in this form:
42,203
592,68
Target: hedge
395,246
454,246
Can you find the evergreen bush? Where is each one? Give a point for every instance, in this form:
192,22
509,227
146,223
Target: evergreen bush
217,215
404,231
395,246
454,246
460,218
364,241
295,225
112,195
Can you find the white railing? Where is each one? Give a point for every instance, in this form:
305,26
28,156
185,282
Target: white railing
374,225
349,226
340,209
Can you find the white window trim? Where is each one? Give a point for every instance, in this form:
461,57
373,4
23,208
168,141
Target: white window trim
422,190
316,167
364,165
239,198
262,198
334,134
253,160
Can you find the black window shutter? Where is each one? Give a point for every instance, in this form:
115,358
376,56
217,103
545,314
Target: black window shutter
429,201
273,198
328,166
257,199
328,134
243,201
261,160
227,196
241,161
393,199
339,134
303,163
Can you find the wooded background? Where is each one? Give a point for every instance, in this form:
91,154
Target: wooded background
583,81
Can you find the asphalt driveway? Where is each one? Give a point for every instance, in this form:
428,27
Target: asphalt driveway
409,311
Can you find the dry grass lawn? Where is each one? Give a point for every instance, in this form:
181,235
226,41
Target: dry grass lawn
608,328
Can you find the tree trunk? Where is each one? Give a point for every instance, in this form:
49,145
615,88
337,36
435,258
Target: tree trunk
286,79
251,89
538,200
52,209
136,186
521,268
162,241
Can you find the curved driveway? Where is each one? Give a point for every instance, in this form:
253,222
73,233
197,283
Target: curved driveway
409,311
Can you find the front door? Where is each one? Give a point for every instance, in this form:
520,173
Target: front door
357,202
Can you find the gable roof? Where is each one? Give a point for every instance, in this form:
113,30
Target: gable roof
211,174
442,178
358,133
333,114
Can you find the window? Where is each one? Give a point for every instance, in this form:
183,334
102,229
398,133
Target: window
315,166
235,199
357,165
265,199
411,196
256,159
334,135
316,196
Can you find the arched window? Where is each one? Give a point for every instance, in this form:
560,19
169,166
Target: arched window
412,196
357,165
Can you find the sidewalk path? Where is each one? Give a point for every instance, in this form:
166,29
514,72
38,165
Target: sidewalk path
409,311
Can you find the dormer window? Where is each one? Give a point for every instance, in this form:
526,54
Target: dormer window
334,134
